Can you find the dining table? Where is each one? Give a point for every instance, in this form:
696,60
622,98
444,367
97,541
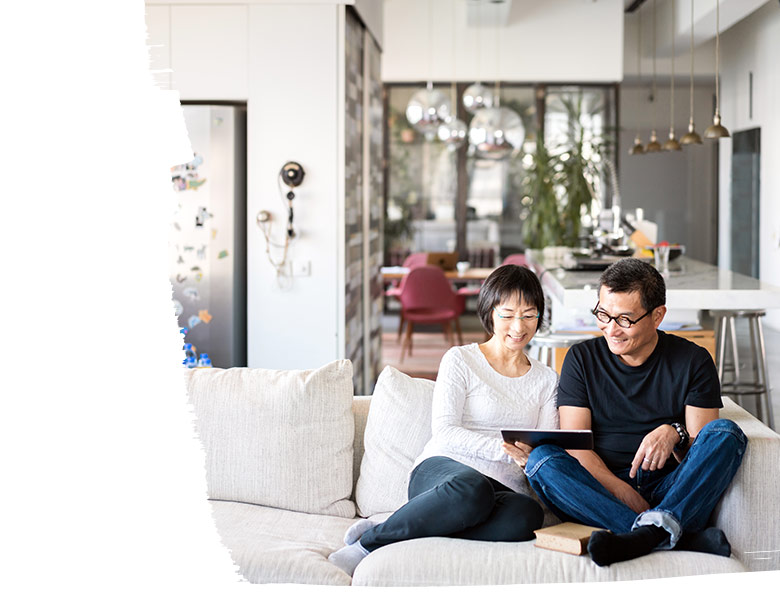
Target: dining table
472,275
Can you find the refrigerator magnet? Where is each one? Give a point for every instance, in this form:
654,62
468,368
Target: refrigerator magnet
193,320
222,254
204,315
191,293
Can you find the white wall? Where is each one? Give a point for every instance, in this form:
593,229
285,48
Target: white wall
677,190
285,60
562,40
753,45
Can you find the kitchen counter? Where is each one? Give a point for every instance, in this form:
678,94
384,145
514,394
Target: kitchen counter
691,286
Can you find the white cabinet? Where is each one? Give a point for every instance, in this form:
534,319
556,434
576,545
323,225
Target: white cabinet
158,28
205,46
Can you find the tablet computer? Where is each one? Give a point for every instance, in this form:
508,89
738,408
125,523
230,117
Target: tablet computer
570,439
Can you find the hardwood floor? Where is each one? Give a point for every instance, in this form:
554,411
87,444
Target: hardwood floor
428,346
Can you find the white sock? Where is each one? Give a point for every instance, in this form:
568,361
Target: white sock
348,557
356,531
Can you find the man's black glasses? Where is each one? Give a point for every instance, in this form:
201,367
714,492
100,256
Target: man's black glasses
622,320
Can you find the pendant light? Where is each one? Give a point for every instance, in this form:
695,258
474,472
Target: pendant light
691,137
638,148
716,130
477,95
428,109
453,132
496,132
653,145
672,143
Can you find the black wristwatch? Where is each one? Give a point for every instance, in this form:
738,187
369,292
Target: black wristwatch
684,437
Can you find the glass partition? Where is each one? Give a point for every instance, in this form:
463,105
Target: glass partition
440,199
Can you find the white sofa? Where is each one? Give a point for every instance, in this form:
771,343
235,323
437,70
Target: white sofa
292,459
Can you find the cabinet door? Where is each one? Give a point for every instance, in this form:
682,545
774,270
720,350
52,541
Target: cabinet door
158,27
209,52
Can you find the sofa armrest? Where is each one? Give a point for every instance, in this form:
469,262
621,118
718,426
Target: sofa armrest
748,511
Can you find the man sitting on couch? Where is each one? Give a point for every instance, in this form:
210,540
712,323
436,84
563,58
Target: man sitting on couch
647,396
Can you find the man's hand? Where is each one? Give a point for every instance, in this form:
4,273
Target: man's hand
655,449
518,452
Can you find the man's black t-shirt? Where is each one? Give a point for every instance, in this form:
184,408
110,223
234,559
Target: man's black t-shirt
627,403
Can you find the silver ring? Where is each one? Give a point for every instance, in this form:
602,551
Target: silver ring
645,460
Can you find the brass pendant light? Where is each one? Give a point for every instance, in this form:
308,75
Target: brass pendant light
653,145
638,148
691,137
672,144
716,130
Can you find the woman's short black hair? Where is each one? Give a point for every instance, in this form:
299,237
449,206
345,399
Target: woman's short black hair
502,284
633,275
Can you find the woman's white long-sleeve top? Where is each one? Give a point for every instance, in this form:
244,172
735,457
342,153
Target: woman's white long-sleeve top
472,402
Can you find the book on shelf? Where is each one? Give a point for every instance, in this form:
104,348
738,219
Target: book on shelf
571,538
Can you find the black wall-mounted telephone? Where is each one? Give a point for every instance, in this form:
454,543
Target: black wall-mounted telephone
292,174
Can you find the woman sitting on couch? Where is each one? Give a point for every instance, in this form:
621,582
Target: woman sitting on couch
465,484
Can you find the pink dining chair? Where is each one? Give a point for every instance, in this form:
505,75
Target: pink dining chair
427,297
516,259
415,259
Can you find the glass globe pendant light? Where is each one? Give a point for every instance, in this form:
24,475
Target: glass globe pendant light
691,137
672,144
653,145
716,130
427,110
453,131
496,132
637,147
477,96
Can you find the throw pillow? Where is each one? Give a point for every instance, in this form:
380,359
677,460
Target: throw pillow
278,438
397,429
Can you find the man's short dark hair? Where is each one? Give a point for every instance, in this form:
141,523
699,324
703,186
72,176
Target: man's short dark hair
633,275
502,284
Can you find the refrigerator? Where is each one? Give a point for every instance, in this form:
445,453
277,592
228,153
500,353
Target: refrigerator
207,258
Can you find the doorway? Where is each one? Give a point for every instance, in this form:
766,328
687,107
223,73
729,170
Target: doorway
745,206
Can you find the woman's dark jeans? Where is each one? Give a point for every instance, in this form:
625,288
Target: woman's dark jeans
449,499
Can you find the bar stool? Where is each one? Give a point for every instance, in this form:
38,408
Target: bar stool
726,324
545,342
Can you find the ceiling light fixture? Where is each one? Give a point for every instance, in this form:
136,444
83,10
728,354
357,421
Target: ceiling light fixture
653,145
672,143
716,130
428,109
691,137
638,148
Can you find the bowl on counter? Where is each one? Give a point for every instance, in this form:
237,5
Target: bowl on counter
675,250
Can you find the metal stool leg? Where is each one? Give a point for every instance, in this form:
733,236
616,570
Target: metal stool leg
763,379
544,355
734,347
720,351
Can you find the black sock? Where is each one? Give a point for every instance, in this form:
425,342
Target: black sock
606,547
711,540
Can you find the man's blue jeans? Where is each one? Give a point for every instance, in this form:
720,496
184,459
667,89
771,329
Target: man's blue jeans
681,498
450,499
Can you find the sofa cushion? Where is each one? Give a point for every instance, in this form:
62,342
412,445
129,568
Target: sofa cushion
398,426
443,561
270,545
278,438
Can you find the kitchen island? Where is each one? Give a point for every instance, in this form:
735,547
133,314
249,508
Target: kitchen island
692,287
